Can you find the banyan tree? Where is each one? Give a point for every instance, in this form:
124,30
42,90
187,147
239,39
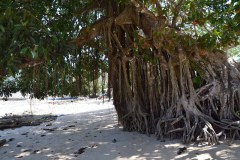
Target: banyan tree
168,67
166,81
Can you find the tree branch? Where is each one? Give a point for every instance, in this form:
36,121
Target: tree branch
31,64
89,33
176,12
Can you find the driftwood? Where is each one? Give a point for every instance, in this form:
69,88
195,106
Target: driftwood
15,121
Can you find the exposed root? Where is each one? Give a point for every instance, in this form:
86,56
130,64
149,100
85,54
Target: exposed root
164,85
176,107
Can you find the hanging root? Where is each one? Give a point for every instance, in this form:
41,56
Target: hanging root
179,96
209,134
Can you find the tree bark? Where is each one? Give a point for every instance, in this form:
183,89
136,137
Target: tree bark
168,87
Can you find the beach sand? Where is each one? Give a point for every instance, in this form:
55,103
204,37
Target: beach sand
89,130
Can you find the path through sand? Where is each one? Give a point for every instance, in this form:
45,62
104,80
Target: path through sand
88,130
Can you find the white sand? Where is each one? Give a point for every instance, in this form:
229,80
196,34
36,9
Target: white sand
95,128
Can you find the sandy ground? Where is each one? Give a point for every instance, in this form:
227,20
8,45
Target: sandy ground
92,125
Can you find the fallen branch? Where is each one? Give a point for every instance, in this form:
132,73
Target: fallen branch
25,120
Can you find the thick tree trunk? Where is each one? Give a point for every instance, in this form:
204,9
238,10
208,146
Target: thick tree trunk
160,98
164,85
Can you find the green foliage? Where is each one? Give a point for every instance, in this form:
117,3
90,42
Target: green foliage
235,51
197,74
238,113
8,87
34,31
209,21
40,31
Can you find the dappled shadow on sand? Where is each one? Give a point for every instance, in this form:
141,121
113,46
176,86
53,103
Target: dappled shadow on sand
216,152
97,136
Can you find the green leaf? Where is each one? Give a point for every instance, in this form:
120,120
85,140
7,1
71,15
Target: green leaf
24,51
2,28
197,80
216,32
55,40
25,23
34,53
